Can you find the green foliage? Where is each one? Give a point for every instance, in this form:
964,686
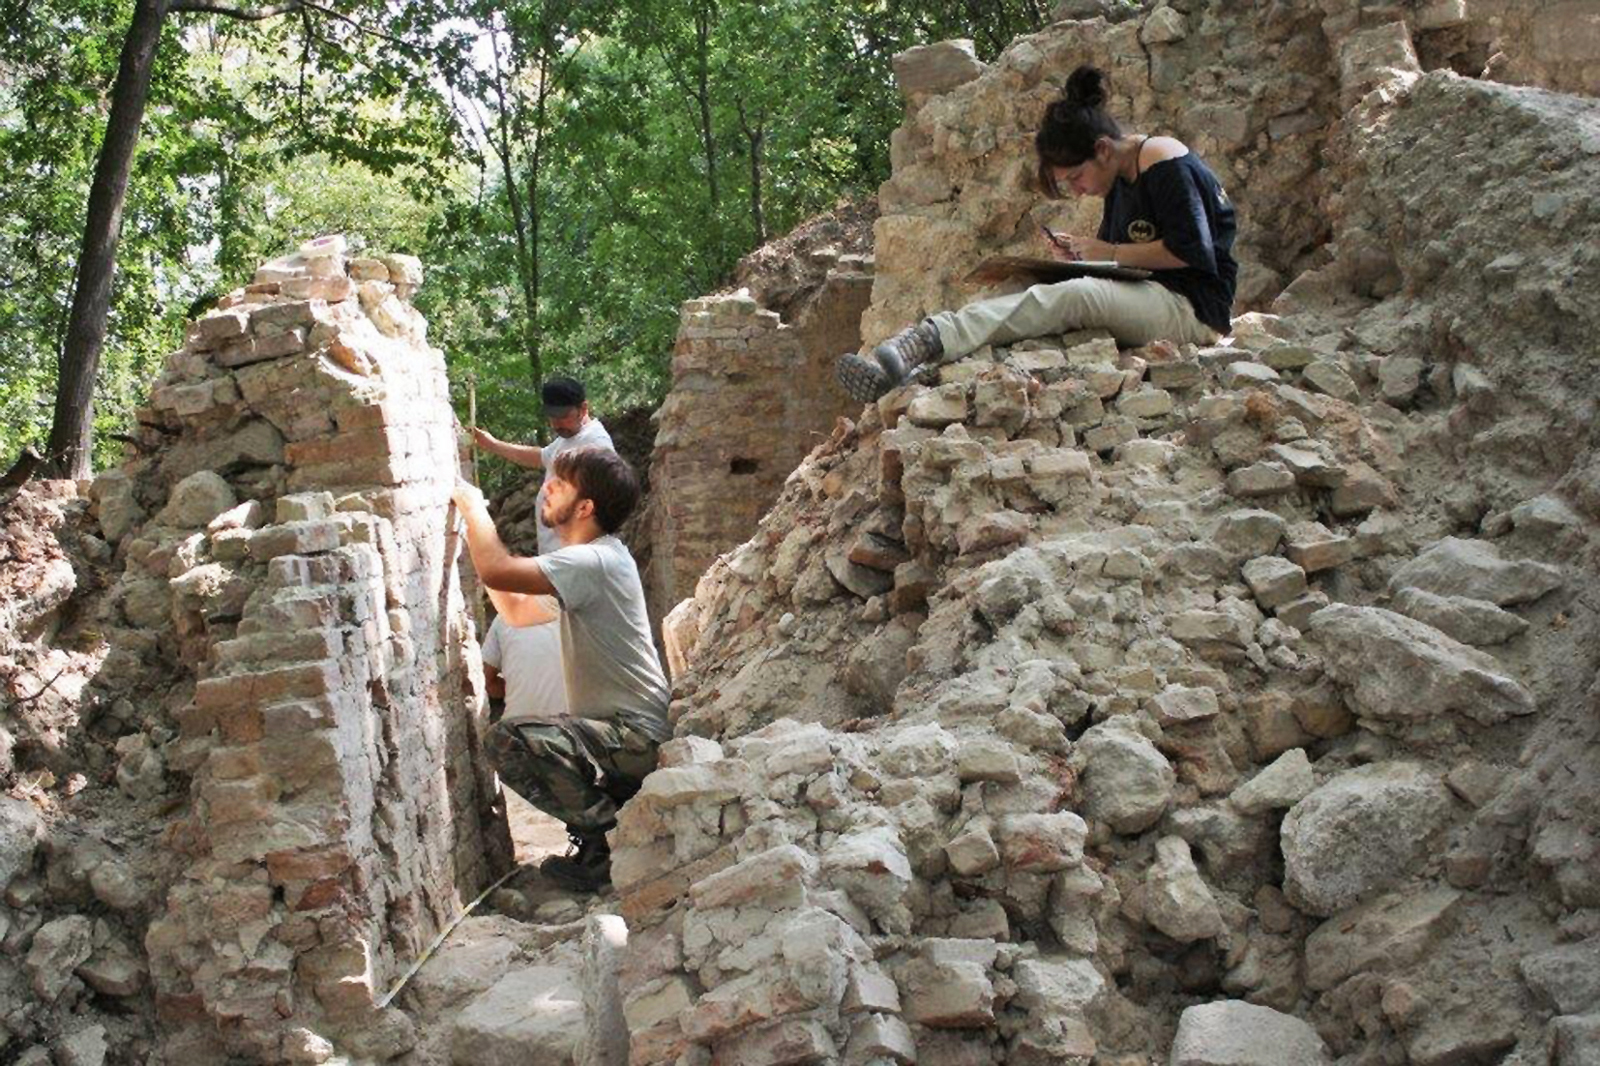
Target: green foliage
569,170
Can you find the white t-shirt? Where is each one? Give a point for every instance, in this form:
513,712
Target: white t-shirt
529,658
610,661
593,434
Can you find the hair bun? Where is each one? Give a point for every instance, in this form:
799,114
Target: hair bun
1086,87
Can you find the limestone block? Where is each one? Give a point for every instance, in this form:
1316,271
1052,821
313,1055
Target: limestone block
987,759
708,783
869,989
1058,986
1281,785
1576,1039
1284,356
779,1043
936,68
1297,613
113,970
917,751
1331,379
1260,479
1399,378
58,948
1107,435
954,994
994,529
1185,374
1360,833
539,1006
1474,568
880,1038
1145,403
774,875
196,500
304,506
1248,533
1270,723
940,407
1178,704
1042,843
294,538
1199,627
1164,26
1400,670
1274,581
1257,330
1177,900
20,833
1236,1033
1476,622
1127,783
1310,463
1387,933
1000,399
83,1047
1314,547
1566,976
1363,489
972,852
1245,373
871,866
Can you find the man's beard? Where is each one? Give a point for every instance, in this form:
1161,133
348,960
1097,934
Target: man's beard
554,518
568,433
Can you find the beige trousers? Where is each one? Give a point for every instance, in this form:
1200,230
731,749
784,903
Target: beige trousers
1136,313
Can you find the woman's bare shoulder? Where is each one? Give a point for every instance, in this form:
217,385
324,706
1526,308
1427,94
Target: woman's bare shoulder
1156,149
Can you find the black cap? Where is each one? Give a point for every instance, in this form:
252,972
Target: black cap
561,395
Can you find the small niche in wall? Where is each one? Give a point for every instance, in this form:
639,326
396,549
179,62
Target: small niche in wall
744,466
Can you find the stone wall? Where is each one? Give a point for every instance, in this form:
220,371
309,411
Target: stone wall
288,536
751,395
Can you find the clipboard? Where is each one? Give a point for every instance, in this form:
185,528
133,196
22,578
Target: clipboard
1034,270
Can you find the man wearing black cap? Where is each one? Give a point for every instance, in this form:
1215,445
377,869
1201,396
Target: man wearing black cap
566,406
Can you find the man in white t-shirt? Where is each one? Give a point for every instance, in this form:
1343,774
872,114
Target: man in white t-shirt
583,766
522,661
566,406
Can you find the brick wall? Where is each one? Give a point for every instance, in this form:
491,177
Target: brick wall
298,455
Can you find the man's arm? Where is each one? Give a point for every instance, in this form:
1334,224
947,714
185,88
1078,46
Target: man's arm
497,568
520,609
527,455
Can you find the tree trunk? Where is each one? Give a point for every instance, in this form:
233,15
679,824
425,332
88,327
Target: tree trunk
69,449
756,136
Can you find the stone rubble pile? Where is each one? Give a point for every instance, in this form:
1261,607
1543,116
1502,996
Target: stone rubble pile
1232,705
1110,740
299,801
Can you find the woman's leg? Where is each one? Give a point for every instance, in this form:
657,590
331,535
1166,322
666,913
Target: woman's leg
1135,312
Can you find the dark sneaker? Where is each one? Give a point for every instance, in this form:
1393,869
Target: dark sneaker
862,379
897,361
907,350
587,869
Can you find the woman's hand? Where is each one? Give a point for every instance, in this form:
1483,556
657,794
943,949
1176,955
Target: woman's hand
1090,249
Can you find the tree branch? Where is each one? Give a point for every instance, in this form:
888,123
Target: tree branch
259,14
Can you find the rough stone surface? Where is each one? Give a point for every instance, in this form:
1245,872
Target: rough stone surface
1233,1033
1360,833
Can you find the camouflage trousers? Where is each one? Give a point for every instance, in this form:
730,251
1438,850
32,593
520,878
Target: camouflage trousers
578,770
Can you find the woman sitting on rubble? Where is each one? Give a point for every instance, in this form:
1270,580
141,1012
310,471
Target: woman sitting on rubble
1165,212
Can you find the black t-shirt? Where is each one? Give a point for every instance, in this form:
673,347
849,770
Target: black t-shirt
1180,201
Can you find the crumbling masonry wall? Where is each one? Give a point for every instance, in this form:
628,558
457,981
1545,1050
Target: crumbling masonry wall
1258,90
300,564
751,395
